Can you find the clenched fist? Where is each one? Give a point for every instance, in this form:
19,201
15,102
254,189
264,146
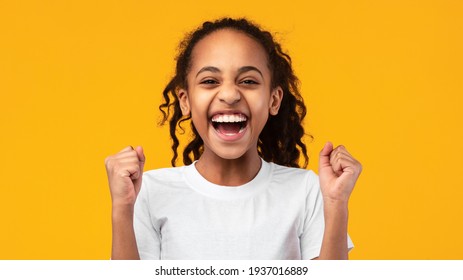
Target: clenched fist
338,173
125,170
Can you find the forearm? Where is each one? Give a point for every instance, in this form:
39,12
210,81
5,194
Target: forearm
124,245
334,245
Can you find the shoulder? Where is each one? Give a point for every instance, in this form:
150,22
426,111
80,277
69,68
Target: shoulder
164,173
296,183
163,179
293,174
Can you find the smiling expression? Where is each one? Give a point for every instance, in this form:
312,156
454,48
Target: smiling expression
229,93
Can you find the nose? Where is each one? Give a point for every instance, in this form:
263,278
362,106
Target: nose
229,94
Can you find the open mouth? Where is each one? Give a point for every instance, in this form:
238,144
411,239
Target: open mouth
229,124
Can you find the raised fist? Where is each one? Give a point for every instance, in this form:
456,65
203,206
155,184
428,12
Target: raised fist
338,173
125,170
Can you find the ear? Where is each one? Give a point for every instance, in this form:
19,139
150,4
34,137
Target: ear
275,100
184,102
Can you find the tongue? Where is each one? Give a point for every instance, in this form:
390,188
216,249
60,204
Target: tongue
229,128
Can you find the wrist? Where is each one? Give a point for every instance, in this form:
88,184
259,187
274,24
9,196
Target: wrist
122,211
123,202
335,208
335,202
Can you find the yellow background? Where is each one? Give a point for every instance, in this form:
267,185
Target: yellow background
80,80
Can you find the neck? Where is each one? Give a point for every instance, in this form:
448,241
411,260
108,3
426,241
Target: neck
228,172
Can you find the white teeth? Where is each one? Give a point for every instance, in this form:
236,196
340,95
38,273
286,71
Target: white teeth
229,118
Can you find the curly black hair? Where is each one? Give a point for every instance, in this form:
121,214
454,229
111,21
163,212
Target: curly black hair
281,138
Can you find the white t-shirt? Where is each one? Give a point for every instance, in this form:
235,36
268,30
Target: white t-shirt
277,215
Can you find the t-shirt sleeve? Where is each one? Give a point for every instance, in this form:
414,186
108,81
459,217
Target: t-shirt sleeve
147,237
314,221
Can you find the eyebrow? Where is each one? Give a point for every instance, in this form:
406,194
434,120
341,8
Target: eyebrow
208,68
249,68
240,71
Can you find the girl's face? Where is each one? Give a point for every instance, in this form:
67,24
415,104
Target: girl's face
229,93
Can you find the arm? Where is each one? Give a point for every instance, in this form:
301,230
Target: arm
334,245
124,245
124,175
338,173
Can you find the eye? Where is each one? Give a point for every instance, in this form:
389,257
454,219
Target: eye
249,82
209,82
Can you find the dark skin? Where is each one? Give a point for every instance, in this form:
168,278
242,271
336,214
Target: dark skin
230,77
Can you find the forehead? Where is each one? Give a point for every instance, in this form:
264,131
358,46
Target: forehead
228,48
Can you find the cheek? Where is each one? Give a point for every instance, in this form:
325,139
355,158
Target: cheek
260,106
199,109
260,115
199,102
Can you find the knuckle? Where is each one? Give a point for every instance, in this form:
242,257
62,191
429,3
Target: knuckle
109,161
117,164
121,172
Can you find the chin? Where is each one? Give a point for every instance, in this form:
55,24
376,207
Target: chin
229,153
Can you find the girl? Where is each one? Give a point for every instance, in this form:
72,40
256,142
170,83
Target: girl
240,194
